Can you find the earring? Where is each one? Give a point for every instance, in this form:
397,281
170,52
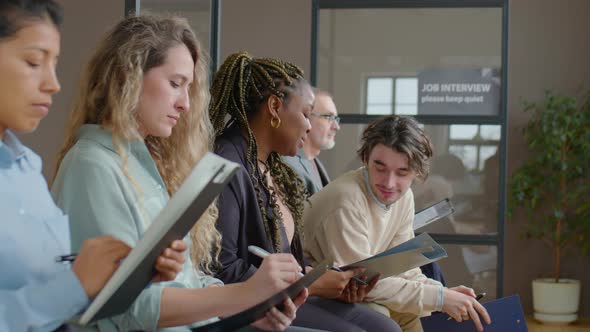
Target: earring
275,122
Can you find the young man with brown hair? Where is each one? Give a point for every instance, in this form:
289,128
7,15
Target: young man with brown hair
371,209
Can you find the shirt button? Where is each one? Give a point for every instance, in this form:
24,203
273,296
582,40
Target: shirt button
21,211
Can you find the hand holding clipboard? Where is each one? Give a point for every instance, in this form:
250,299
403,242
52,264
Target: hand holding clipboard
248,316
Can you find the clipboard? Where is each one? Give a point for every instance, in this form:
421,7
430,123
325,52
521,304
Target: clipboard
506,314
197,192
433,213
413,253
256,312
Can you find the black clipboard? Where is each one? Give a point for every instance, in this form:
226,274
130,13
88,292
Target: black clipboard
256,312
193,197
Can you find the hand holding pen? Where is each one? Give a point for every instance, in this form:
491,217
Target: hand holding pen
477,307
99,257
255,250
275,273
355,293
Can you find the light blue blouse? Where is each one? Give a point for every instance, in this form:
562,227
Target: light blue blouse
36,293
101,199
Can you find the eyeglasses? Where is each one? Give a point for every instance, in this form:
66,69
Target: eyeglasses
329,117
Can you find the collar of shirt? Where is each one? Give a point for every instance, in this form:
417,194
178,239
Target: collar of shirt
11,149
370,190
136,147
307,164
301,154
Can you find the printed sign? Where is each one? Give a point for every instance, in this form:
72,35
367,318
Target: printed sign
459,92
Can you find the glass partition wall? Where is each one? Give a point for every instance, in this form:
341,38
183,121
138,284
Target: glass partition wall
203,16
443,62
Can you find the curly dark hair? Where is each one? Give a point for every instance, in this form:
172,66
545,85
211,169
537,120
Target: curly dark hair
239,88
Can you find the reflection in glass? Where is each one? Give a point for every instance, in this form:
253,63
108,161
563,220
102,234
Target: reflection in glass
467,153
348,61
379,90
406,109
379,109
486,152
466,163
472,266
463,131
406,96
197,12
490,132
379,96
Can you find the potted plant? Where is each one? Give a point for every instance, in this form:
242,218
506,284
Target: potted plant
553,189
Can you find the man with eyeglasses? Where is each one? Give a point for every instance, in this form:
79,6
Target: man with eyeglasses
324,125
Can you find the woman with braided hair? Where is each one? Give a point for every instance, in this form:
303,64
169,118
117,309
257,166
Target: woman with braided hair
259,109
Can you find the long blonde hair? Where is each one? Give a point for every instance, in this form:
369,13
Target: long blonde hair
109,94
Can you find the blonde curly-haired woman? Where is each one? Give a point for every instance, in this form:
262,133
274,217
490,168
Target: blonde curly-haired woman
138,127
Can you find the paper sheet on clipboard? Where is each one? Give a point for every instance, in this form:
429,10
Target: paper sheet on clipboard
413,253
433,213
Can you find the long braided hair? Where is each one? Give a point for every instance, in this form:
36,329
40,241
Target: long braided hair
239,88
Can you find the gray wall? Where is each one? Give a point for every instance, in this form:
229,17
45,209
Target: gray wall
549,48
197,12
267,28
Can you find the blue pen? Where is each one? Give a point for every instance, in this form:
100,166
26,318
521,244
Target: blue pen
263,253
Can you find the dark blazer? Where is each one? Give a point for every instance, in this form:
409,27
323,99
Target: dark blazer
240,221
304,168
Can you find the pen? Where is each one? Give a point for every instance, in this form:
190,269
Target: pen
477,298
255,250
65,258
263,253
337,269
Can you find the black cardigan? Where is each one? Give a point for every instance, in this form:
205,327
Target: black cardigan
240,221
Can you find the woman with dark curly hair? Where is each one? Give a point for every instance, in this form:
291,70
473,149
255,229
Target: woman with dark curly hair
259,109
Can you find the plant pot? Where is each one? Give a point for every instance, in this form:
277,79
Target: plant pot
556,303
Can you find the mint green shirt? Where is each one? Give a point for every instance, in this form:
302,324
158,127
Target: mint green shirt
100,199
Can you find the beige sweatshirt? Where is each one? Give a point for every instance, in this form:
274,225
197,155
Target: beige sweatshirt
344,221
